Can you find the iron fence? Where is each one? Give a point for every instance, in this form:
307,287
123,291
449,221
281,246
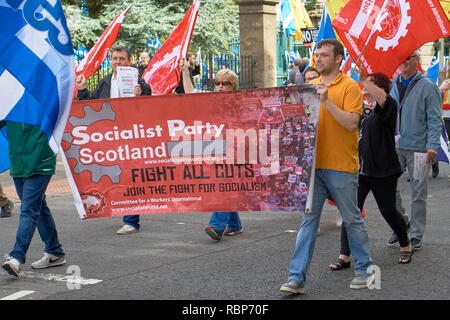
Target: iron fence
210,64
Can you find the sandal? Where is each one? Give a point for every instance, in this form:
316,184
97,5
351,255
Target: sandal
340,264
405,256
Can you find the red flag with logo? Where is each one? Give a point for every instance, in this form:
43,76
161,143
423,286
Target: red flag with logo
163,73
92,61
390,29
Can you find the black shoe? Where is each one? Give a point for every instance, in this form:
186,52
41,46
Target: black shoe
435,171
416,244
393,240
7,209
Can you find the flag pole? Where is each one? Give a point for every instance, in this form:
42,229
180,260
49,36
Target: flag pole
380,17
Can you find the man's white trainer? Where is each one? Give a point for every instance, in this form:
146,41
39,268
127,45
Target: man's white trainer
12,266
127,229
48,260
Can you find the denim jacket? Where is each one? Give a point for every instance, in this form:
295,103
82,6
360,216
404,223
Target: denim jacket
419,115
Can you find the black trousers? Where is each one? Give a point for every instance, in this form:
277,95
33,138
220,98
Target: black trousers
383,190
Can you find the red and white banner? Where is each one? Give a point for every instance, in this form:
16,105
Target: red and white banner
93,60
249,150
163,72
397,28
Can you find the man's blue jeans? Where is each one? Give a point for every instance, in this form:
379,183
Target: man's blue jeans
34,213
343,187
220,220
132,221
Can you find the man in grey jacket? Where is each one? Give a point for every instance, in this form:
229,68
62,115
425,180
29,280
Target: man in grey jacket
419,129
295,75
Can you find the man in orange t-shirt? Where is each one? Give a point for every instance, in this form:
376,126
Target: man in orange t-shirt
337,166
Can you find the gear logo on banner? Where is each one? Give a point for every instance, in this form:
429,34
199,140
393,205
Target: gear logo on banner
97,171
394,25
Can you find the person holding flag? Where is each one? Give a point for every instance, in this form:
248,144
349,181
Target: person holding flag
380,167
194,70
37,74
108,88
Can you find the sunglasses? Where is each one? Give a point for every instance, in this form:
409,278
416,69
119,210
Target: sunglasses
410,57
223,83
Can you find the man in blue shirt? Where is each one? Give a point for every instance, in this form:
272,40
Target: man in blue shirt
419,129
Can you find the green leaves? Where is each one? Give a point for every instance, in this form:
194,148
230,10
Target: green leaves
217,22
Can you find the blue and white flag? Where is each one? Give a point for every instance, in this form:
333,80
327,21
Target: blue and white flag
37,72
443,154
433,70
288,18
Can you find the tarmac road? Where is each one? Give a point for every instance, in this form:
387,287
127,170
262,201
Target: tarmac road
171,258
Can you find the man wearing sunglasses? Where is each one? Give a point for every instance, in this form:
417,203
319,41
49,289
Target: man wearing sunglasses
419,129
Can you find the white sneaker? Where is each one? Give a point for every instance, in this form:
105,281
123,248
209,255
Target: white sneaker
48,260
127,229
338,219
12,266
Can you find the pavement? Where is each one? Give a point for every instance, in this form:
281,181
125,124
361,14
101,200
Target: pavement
171,258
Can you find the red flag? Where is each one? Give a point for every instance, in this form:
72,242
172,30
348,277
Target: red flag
92,61
391,33
162,73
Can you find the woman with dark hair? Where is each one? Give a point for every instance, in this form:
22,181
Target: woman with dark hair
379,164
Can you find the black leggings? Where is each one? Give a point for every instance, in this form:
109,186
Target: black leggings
383,190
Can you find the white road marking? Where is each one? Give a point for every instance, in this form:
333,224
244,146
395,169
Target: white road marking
59,277
18,295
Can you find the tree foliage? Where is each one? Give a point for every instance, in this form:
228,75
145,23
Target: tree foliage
310,5
217,22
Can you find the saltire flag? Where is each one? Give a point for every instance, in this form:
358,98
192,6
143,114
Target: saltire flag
154,43
326,31
295,18
389,30
157,44
37,71
93,60
163,72
433,70
443,154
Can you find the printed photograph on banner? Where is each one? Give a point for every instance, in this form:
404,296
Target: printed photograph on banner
248,150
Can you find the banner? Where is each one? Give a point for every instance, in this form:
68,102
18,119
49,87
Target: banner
396,27
249,150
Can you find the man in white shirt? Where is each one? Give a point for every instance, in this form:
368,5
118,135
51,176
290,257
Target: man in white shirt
108,88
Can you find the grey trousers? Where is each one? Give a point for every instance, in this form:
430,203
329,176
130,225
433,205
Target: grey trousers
419,192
